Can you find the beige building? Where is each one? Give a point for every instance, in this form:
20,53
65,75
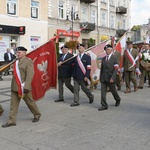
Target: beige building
99,19
23,23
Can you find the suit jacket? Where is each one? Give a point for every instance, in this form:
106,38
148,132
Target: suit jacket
26,71
108,70
65,70
6,58
77,73
126,62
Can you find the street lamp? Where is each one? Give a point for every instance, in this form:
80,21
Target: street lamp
74,16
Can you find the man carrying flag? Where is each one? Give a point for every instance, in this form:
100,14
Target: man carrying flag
21,87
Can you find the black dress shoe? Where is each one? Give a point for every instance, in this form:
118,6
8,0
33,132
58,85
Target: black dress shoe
140,87
8,125
74,104
117,103
91,100
36,119
102,108
59,100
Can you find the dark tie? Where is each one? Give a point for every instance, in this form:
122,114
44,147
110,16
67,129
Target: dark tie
62,57
107,58
80,56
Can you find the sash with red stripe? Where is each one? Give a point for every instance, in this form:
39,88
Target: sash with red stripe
81,65
17,77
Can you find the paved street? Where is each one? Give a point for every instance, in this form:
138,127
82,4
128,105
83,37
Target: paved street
62,127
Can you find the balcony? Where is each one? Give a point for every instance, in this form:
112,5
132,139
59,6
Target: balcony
121,10
120,32
87,27
87,1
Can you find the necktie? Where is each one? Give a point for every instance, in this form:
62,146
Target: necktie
62,57
107,58
80,56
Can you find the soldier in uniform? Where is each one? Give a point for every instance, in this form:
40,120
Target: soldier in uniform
1,110
131,65
64,72
81,74
118,82
21,87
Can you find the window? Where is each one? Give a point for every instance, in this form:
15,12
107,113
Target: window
74,10
124,24
93,16
84,13
12,7
112,21
103,20
61,10
111,2
34,9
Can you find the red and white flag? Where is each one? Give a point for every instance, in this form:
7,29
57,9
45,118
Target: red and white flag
120,47
97,53
45,68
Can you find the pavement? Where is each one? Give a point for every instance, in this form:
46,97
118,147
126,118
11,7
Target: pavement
62,127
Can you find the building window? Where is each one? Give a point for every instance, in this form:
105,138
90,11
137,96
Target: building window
61,9
34,9
84,13
103,20
93,16
12,7
124,24
112,21
111,2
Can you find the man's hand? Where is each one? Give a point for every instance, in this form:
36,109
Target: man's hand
26,90
85,79
111,80
59,64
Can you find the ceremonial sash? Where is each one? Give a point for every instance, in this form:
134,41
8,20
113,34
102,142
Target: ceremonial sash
130,57
17,77
81,65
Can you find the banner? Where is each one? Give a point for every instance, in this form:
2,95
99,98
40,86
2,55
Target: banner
45,68
97,53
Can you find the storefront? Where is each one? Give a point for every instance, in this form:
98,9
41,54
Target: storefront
9,38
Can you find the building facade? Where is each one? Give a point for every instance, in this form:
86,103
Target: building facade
99,19
23,23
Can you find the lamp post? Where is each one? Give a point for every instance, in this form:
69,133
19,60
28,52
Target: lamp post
74,16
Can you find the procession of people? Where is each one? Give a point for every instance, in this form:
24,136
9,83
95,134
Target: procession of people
78,68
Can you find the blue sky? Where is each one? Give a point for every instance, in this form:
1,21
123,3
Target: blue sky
140,12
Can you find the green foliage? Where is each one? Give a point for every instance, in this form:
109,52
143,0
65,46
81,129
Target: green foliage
136,28
91,42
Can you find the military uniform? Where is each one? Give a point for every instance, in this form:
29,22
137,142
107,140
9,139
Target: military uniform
118,83
129,71
26,69
1,110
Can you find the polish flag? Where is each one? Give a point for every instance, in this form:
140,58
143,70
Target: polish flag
120,47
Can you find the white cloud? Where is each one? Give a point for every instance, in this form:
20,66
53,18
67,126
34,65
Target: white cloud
140,12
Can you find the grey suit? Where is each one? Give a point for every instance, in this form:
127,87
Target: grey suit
108,71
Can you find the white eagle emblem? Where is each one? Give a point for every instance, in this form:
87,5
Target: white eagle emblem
43,66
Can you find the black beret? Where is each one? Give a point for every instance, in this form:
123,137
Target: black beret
107,46
129,42
21,48
80,45
65,46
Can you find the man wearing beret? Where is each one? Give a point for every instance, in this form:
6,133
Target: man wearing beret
81,74
23,73
64,73
109,69
131,65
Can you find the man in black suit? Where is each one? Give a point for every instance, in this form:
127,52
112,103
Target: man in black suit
108,74
81,74
8,57
64,73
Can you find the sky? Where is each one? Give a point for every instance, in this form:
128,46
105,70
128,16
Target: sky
140,12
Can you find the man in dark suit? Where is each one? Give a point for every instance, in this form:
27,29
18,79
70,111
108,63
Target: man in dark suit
8,57
64,73
81,74
108,73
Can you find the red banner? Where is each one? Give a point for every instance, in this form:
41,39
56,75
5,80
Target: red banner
67,33
45,67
